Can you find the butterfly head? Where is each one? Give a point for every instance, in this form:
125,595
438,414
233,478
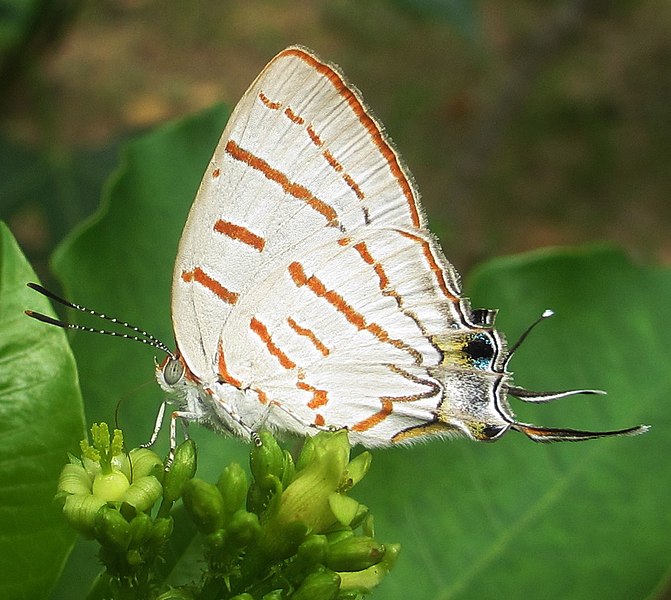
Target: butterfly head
173,375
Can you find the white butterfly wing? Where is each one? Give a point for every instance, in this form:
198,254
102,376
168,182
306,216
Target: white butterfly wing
305,272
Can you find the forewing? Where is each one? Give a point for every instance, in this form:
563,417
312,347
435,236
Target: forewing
307,235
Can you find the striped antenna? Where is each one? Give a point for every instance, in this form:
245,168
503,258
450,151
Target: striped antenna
140,334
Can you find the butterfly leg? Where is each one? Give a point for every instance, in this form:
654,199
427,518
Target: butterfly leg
251,433
185,417
157,427
232,415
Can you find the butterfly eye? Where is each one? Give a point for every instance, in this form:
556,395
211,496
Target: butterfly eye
173,371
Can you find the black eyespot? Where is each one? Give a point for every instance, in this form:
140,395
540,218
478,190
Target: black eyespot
173,371
480,350
479,347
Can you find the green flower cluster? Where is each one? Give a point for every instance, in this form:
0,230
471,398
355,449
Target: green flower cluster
292,532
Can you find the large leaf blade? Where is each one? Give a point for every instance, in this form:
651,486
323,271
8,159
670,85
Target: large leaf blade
40,421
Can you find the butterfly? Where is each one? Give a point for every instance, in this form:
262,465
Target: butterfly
308,293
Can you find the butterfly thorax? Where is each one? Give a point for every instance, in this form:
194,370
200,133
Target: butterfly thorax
214,404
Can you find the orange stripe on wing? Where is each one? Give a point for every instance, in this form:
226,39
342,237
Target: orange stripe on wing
365,254
319,289
319,397
317,141
263,397
292,116
224,373
369,124
240,233
199,276
262,331
308,333
353,185
294,189
433,264
268,102
338,168
353,316
375,419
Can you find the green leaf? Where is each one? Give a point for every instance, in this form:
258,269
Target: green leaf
518,519
40,421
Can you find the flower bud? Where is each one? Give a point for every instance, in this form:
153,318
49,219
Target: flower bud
322,585
140,529
161,530
306,498
143,493
111,529
134,557
267,462
80,512
257,499
182,470
338,535
312,551
233,486
356,469
304,504
204,503
367,579
354,554
217,540
244,527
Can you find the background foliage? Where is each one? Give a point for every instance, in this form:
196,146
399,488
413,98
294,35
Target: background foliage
554,148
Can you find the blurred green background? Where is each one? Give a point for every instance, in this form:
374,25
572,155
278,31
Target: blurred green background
526,124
